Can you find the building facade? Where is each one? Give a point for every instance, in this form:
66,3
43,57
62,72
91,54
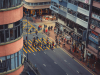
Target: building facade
37,7
93,40
73,16
11,38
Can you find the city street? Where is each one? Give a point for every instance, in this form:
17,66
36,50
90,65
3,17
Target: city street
51,62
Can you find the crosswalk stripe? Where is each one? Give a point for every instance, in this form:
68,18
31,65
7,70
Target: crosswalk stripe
45,43
24,50
37,42
32,46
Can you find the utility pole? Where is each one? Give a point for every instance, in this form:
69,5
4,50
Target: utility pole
27,33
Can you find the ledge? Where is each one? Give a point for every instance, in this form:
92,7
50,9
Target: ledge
11,8
11,40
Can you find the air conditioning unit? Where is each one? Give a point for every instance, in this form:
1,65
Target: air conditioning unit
93,27
60,0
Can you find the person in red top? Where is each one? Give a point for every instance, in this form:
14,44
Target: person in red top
46,31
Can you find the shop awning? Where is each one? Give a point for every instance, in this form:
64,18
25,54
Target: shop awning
36,7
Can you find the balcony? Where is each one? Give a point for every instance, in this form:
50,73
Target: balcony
82,22
63,13
71,17
63,3
83,11
72,6
53,8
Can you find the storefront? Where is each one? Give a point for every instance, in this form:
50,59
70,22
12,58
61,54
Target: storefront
37,12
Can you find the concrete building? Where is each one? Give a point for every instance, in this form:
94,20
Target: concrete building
80,20
11,38
73,17
37,7
93,39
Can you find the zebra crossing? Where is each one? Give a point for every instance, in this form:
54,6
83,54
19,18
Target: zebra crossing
33,49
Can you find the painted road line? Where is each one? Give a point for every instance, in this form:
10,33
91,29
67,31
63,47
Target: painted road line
33,47
44,52
24,50
44,65
34,53
77,71
55,62
65,60
46,43
30,48
24,25
49,40
37,42
77,61
30,29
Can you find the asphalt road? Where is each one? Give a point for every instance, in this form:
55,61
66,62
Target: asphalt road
55,62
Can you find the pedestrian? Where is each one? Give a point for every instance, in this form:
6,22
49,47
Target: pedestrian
36,32
64,40
37,37
42,38
33,28
26,37
30,31
56,45
50,46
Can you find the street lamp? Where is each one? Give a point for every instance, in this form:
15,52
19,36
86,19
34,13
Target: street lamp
27,33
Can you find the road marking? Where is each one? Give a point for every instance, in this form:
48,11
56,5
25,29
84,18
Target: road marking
44,65
77,71
44,52
76,60
55,62
66,73
65,60
69,63
34,53
53,50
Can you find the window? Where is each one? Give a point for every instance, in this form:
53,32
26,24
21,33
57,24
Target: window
12,62
41,3
93,44
11,34
2,36
83,5
16,62
83,17
7,35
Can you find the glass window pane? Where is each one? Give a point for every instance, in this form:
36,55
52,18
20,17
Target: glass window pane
7,35
18,31
12,63
20,59
8,57
16,61
12,55
15,32
2,36
11,34
8,65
